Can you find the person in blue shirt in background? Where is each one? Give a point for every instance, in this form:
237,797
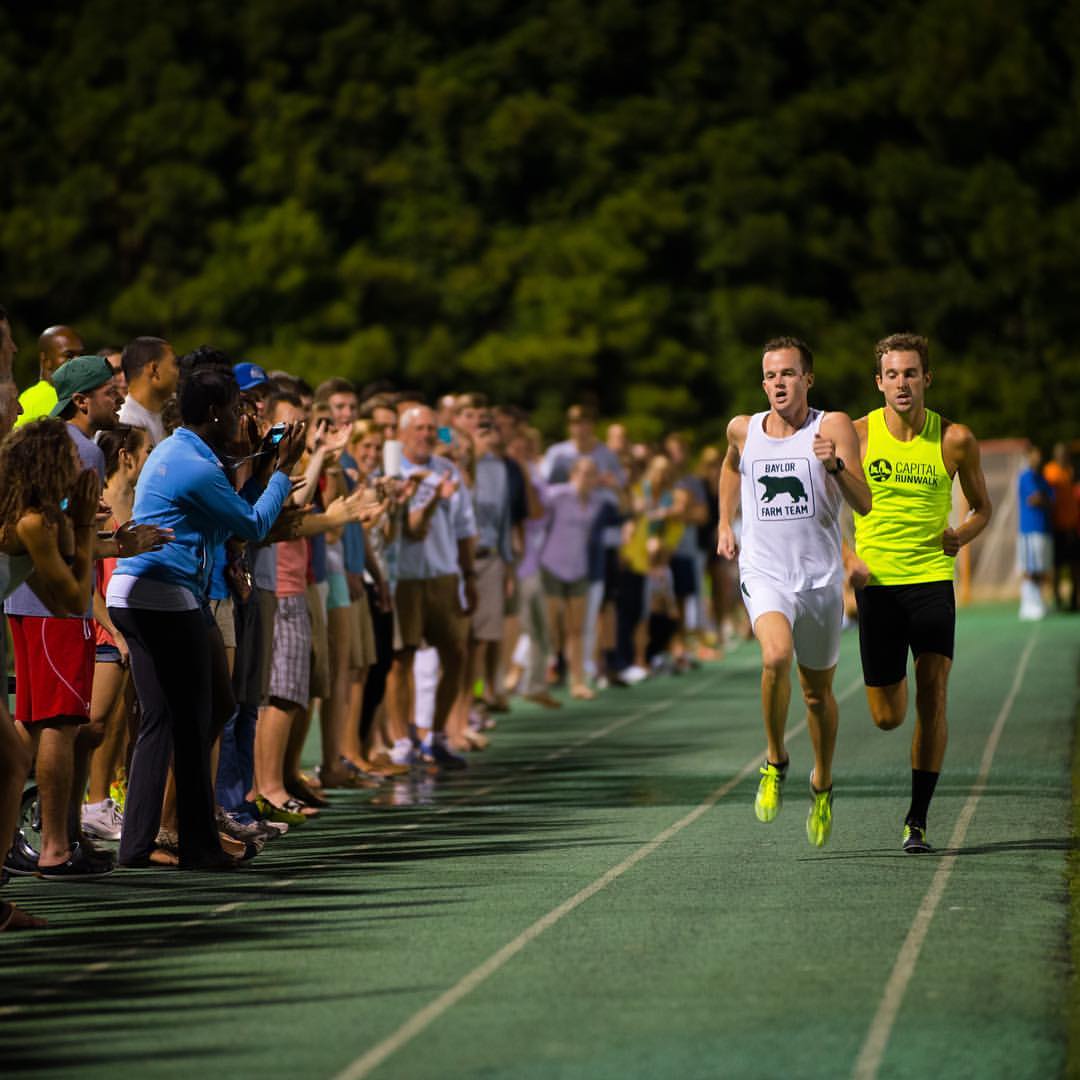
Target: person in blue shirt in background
1035,548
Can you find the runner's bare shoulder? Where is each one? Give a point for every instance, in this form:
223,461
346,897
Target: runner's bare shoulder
737,429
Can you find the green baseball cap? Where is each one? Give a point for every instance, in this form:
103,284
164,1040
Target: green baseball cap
79,375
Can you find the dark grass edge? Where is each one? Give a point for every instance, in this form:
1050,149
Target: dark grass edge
1072,997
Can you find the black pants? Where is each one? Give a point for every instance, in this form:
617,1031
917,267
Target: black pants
171,664
375,686
629,612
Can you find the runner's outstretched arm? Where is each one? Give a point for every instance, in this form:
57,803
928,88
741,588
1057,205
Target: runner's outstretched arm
730,487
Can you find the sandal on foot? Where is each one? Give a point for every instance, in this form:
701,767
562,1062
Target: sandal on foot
13,918
291,812
299,790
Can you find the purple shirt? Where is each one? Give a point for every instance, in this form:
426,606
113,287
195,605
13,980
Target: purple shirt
565,553
535,529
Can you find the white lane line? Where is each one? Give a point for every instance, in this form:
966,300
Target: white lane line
873,1049
412,1027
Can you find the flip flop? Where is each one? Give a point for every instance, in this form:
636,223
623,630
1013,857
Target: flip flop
13,918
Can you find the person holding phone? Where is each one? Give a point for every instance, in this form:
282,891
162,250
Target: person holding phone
155,601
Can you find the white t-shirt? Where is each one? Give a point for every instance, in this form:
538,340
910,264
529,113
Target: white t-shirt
136,415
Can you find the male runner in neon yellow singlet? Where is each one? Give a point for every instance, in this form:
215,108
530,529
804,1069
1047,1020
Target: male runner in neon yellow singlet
904,558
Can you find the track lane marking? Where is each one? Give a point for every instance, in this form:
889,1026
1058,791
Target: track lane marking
873,1049
426,1016
99,967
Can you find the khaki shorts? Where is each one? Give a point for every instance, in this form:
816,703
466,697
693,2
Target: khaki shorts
267,603
487,619
430,610
557,589
320,644
222,610
362,652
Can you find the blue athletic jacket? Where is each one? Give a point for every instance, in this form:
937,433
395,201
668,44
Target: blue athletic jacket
183,487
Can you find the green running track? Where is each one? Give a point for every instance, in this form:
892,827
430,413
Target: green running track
594,898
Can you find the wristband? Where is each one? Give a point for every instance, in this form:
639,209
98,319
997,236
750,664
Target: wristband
839,467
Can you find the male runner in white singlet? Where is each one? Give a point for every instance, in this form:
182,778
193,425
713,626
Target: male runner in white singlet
793,467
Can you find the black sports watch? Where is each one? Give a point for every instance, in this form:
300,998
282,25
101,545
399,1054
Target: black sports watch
839,467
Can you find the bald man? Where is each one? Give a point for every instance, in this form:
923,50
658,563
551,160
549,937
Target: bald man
56,346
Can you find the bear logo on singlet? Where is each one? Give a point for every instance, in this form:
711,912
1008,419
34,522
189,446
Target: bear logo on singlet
775,485
880,470
787,489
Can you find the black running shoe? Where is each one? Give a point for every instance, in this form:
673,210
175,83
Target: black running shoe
78,867
915,842
22,859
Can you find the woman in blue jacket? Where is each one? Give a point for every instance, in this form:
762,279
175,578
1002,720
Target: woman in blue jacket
156,601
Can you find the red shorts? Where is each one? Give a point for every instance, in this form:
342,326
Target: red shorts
54,667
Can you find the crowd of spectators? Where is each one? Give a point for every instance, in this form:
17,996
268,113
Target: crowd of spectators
200,559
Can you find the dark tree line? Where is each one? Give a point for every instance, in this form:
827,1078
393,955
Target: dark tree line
550,200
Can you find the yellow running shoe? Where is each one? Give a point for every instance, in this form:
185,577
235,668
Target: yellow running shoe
769,796
915,842
819,820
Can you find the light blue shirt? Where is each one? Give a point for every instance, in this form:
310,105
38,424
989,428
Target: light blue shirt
183,487
452,520
491,502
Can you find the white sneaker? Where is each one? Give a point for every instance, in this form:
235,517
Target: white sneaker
403,752
102,821
633,674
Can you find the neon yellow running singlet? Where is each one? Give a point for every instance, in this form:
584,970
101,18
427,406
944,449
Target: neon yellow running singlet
900,539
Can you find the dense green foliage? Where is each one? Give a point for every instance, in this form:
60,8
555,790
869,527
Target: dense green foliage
551,200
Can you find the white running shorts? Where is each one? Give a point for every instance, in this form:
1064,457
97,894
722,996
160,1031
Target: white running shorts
815,616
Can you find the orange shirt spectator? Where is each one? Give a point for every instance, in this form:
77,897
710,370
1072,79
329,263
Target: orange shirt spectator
1066,513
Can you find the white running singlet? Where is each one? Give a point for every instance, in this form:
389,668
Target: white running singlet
790,510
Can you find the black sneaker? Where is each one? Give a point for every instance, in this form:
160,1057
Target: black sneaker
78,867
443,756
105,859
915,842
22,859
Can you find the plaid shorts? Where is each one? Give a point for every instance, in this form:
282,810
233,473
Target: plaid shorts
290,667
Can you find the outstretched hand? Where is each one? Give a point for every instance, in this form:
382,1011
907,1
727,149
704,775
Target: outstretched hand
447,486
132,539
290,448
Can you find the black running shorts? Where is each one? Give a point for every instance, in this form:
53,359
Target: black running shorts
896,618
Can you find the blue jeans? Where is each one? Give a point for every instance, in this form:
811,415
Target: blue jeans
236,764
